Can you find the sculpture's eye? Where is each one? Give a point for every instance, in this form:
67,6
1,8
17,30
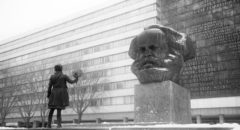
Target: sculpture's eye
152,47
142,49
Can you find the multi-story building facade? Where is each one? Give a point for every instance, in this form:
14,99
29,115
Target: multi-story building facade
98,43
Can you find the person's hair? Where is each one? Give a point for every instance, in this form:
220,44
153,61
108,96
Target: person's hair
58,67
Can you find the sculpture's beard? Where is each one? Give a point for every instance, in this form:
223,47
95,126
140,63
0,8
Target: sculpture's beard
152,69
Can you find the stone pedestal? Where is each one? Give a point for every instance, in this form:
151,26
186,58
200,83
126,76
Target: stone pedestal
164,102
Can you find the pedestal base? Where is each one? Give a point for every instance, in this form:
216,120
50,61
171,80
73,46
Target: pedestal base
164,102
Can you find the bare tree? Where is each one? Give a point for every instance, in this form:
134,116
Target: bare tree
7,99
7,102
27,103
42,106
84,93
42,95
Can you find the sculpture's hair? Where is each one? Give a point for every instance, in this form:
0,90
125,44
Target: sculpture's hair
178,41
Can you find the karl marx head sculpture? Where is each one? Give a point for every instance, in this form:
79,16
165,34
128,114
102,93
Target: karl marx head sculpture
159,53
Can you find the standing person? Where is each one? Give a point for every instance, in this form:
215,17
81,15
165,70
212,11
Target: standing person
58,93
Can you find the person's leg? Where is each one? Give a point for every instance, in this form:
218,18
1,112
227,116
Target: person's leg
50,117
59,118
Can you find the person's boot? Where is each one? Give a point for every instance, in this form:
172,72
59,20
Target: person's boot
49,121
59,121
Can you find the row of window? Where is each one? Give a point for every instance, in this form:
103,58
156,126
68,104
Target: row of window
100,87
108,72
113,101
122,100
37,91
75,54
35,75
22,80
44,52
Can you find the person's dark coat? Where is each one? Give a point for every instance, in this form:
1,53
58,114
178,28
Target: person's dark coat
57,90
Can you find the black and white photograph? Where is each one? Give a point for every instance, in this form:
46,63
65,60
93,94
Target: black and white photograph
120,64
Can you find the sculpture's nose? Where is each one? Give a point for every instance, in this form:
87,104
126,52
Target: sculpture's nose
147,52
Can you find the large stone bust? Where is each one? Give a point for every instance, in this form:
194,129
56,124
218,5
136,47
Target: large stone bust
159,53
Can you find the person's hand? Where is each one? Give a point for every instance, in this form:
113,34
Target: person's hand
77,73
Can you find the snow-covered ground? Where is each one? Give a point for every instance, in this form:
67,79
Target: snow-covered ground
234,126
189,126
8,128
227,125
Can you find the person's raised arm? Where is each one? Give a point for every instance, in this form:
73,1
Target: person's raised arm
70,80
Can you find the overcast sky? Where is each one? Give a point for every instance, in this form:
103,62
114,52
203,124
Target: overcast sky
18,17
